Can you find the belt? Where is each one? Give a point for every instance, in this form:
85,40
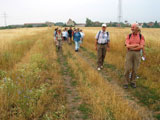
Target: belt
101,43
135,50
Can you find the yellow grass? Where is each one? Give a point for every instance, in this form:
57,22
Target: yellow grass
106,101
33,56
15,43
34,88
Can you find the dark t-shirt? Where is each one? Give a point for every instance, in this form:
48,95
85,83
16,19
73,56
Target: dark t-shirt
70,32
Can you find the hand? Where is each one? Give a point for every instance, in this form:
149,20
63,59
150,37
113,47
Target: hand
96,48
108,49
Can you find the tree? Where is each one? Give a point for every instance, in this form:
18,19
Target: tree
89,23
156,25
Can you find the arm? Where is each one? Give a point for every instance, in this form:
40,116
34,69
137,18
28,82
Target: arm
128,45
140,46
96,41
136,48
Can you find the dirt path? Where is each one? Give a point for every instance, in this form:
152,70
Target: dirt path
72,96
110,74
145,97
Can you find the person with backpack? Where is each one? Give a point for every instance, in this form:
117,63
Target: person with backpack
70,34
59,39
76,38
102,45
134,43
55,33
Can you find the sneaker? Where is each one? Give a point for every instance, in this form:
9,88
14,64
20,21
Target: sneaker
99,69
125,86
133,85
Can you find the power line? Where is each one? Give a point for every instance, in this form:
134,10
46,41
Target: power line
120,11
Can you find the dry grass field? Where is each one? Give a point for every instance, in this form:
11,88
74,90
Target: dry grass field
37,82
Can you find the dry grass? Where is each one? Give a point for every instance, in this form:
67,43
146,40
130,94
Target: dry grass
34,89
15,44
107,102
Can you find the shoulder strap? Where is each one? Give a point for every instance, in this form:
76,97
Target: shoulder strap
130,35
107,33
140,36
99,34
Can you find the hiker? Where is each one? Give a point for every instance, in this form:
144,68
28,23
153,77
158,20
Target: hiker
76,38
70,34
59,39
55,33
82,36
134,43
102,45
65,34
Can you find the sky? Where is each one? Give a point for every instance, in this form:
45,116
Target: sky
36,11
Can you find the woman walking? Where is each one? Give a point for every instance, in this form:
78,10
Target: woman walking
76,38
59,40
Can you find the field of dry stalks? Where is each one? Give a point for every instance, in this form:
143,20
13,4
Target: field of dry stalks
37,82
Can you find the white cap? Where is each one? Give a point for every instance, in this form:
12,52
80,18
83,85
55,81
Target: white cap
104,25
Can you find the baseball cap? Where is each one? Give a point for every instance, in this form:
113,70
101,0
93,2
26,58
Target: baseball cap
104,25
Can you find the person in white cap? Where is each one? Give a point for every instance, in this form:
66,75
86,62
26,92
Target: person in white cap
102,45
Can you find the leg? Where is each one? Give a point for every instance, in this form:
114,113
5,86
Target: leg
99,54
136,63
128,67
76,45
103,54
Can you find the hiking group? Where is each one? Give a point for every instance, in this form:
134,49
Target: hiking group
134,44
67,35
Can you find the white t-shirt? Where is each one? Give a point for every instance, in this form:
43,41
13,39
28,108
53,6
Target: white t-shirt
65,34
82,34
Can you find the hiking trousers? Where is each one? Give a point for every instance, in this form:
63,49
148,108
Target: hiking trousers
132,63
101,52
59,43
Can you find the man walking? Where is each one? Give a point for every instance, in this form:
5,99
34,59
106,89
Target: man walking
134,43
70,34
102,45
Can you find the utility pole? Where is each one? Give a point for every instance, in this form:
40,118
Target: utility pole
120,11
5,18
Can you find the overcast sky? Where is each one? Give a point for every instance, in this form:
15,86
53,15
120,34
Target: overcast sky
30,11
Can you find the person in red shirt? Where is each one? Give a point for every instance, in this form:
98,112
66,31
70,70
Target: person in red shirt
134,43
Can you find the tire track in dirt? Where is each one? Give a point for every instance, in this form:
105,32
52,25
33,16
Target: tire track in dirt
105,73
73,100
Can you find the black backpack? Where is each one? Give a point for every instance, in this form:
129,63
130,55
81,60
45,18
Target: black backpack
140,36
100,33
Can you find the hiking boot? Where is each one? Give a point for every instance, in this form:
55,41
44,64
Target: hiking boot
133,85
125,86
99,69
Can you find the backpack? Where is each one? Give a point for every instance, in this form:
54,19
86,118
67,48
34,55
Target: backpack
140,36
100,33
